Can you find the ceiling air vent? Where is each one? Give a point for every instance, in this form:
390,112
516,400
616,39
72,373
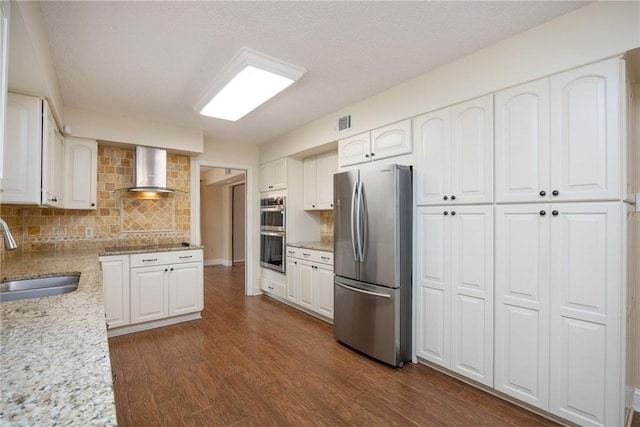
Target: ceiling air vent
343,123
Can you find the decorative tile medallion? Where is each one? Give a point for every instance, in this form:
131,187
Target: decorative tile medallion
140,215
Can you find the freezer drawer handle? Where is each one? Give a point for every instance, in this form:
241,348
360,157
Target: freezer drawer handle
375,294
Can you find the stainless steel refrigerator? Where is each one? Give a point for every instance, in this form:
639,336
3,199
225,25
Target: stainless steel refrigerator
372,261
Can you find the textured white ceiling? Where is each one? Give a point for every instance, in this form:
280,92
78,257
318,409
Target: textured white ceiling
153,60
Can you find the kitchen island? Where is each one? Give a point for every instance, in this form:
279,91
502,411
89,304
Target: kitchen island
54,356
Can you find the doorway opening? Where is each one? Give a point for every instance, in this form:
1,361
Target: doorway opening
223,215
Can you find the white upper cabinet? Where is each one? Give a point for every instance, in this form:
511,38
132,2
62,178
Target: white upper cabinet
389,141
522,143
52,162
318,181
585,132
558,139
273,175
455,154
21,183
81,174
33,154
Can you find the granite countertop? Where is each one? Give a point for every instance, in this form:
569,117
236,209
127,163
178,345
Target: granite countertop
318,246
54,357
141,249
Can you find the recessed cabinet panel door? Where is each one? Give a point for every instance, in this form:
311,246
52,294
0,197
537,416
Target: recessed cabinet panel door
185,288
434,285
472,291
149,292
472,151
522,302
432,132
81,164
325,290
307,286
115,282
586,307
292,280
327,166
433,340
471,353
585,133
392,140
310,184
522,143
354,150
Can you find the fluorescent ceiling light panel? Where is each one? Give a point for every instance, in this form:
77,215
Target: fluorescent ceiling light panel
250,79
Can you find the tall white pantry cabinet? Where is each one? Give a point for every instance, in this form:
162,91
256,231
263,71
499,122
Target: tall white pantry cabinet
524,289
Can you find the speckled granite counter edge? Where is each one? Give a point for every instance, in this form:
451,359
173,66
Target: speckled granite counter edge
318,246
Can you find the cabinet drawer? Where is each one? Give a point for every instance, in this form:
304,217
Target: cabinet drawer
313,255
273,288
163,258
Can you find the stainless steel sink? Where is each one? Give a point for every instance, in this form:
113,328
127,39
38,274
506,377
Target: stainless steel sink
36,288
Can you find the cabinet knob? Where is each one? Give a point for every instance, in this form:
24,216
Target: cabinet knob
555,192
171,269
542,213
366,155
445,198
453,197
313,206
554,212
331,204
166,269
446,213
93,204
453,213
373,154
543,193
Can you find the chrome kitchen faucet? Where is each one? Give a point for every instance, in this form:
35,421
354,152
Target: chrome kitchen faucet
9,241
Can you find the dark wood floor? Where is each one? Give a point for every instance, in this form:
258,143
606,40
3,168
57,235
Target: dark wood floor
253,361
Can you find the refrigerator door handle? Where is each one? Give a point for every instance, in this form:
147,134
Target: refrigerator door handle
351,288
362,241
353,214
359,221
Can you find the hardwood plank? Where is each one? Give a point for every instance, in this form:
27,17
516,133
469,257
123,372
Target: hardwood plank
254,361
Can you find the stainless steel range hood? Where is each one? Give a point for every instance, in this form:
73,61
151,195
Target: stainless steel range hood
151,171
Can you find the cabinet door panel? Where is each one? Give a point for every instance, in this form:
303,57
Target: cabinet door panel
292,280
522,302
327,166
325,290
354,150
185,288
471,352
434,285
310,184
81,160
307,286
433,325
149,291
472,151
578,385
22,165
522,142
432,132
586,329
392,140
115,282
585,133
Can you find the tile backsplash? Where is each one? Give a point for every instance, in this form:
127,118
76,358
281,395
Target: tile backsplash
118,218
326,226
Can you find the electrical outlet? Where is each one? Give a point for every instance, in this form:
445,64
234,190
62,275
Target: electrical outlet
88,232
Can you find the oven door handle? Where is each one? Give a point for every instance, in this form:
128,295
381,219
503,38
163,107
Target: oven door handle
280,209
272,233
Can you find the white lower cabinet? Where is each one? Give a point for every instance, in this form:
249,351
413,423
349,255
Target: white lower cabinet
152,287
558,305
310,280
115,285
455,289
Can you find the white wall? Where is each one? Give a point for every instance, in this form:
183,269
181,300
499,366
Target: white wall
109,127
588,34
239,202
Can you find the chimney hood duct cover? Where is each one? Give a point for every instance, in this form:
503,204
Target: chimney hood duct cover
151,171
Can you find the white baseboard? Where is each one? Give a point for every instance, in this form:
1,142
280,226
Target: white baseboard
238,260
636,400
137,327
224,262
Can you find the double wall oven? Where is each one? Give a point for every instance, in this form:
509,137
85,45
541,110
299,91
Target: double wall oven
273,233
